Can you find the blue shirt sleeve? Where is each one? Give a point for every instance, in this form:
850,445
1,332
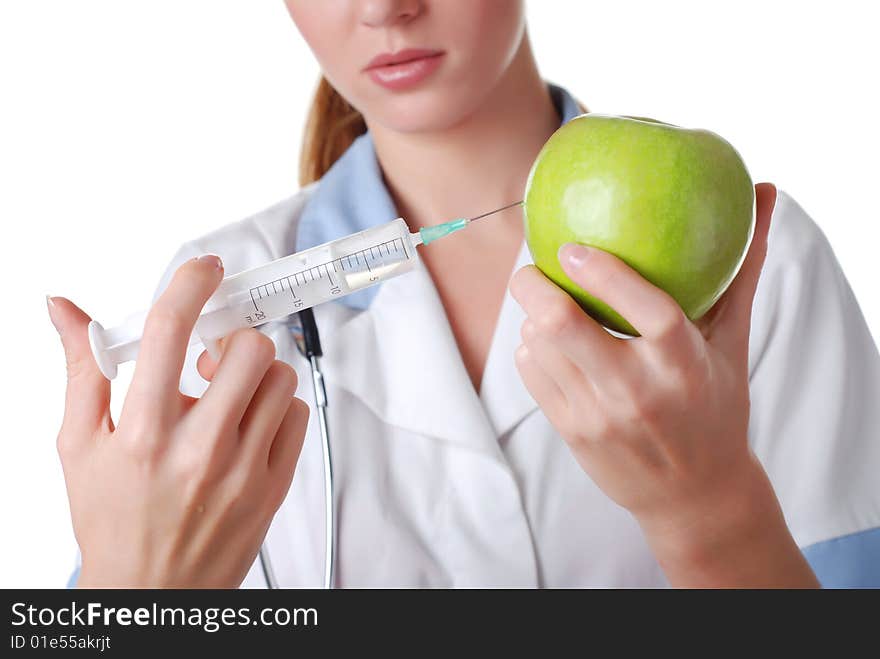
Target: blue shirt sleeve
850,561
71,583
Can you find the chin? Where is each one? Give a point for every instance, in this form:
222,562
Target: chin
423,112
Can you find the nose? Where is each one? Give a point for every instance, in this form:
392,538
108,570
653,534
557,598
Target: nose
382,13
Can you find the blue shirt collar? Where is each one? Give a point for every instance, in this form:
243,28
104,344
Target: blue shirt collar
352,196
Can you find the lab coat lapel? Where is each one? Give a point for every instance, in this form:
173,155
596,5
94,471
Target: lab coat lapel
504,397
400,357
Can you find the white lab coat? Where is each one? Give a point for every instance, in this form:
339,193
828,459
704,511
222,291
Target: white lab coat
440,486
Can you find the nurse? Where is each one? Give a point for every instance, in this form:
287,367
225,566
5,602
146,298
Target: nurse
485,430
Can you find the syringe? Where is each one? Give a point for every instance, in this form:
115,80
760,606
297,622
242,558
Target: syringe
285,286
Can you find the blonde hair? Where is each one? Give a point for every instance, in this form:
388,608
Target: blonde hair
332,125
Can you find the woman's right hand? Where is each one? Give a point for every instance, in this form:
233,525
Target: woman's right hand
180,492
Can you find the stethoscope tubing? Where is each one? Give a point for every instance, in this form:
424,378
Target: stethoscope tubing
313,352
329,517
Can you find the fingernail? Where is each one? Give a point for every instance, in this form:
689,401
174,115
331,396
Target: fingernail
212,259
573,254
50,304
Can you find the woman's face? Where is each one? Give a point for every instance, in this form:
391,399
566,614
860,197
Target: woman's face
438,59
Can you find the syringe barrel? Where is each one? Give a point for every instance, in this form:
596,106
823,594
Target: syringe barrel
277,289
307,278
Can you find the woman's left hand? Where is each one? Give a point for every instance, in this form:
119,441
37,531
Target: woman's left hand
660,421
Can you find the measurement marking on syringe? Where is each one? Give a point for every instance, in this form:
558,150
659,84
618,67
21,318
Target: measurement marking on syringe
300,278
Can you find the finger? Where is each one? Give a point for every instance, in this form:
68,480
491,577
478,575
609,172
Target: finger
268,407
288,442
730,324
541,385
571,380
652,311
167,330
87,400
560,319
247,356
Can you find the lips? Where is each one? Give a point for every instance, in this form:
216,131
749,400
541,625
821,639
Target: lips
403,69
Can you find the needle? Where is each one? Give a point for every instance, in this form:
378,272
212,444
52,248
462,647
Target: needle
497,210
428,235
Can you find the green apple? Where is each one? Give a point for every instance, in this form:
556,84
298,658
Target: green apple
675,204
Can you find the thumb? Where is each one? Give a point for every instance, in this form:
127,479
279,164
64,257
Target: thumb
730,323
87,402
206,366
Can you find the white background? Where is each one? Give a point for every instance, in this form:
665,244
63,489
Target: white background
129,127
